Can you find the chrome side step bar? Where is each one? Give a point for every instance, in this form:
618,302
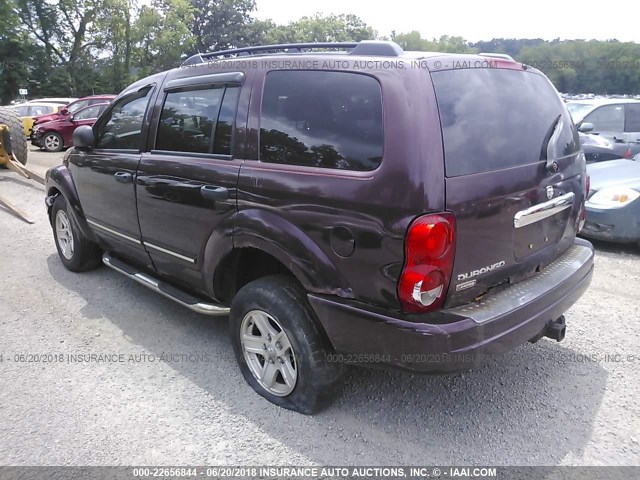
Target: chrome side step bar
165,289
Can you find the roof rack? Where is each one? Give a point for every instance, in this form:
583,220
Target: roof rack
365,47
504,56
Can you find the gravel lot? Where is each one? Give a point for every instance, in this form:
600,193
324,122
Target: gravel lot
543,404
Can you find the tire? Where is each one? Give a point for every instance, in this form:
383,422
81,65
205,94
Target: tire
314,381
52,142
18,140
76,252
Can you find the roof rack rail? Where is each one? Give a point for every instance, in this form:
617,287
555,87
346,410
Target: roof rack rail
365,47
504,56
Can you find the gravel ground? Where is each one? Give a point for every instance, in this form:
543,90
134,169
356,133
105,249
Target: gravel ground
543,404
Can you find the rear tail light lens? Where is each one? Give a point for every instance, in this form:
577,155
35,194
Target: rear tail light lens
628,153
429,252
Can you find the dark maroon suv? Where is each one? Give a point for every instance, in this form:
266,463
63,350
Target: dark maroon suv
342,203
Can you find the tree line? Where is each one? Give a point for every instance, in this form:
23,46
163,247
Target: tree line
82,47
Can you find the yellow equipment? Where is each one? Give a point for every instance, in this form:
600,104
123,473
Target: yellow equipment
9,160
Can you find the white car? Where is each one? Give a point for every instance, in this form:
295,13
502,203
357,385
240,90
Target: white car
61,101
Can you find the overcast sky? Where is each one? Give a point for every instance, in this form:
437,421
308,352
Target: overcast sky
477,20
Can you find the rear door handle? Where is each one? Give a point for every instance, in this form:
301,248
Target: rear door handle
211,192
123,177
543,210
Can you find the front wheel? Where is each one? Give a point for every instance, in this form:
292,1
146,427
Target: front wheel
76,252
52,142
279,346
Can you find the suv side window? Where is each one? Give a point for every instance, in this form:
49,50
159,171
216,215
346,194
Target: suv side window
608,118
197,120
322,119
224,130
632,113
121,128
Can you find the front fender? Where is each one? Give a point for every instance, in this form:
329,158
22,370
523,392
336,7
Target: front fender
59,179
271,233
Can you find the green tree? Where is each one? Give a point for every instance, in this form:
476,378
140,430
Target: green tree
221,24
414,41
115,41
63,30
162,35
332,28
14,57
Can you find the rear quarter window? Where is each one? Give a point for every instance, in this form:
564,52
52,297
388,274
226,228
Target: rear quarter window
494,119
322,119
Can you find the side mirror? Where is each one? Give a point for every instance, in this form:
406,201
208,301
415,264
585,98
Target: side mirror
83,137
64,111
586,127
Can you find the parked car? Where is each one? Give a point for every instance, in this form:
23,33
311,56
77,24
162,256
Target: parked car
55,135
73,107
597,148
613,208
332,223
56,100
617,120
28,112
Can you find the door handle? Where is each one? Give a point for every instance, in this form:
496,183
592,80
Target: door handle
211,192
123,177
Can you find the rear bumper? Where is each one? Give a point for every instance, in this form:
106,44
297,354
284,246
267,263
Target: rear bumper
460,337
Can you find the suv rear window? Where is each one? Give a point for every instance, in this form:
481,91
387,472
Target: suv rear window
322,119
494,119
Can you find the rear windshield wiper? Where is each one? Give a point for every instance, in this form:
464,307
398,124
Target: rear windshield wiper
547,151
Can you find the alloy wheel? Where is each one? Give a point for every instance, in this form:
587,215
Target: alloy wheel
269,353
64,234
51,142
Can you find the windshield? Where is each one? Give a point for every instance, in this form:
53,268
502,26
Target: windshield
579,110
74,107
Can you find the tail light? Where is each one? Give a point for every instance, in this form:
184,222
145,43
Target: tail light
429,252
628,153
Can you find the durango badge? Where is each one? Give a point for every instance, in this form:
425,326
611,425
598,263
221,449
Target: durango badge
481,271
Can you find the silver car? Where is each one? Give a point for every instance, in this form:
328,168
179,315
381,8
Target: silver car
617,120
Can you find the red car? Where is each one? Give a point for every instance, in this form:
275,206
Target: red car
55,135
74,107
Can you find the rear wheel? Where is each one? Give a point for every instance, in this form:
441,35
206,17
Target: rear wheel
279,346
52,142
76,252
11,119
